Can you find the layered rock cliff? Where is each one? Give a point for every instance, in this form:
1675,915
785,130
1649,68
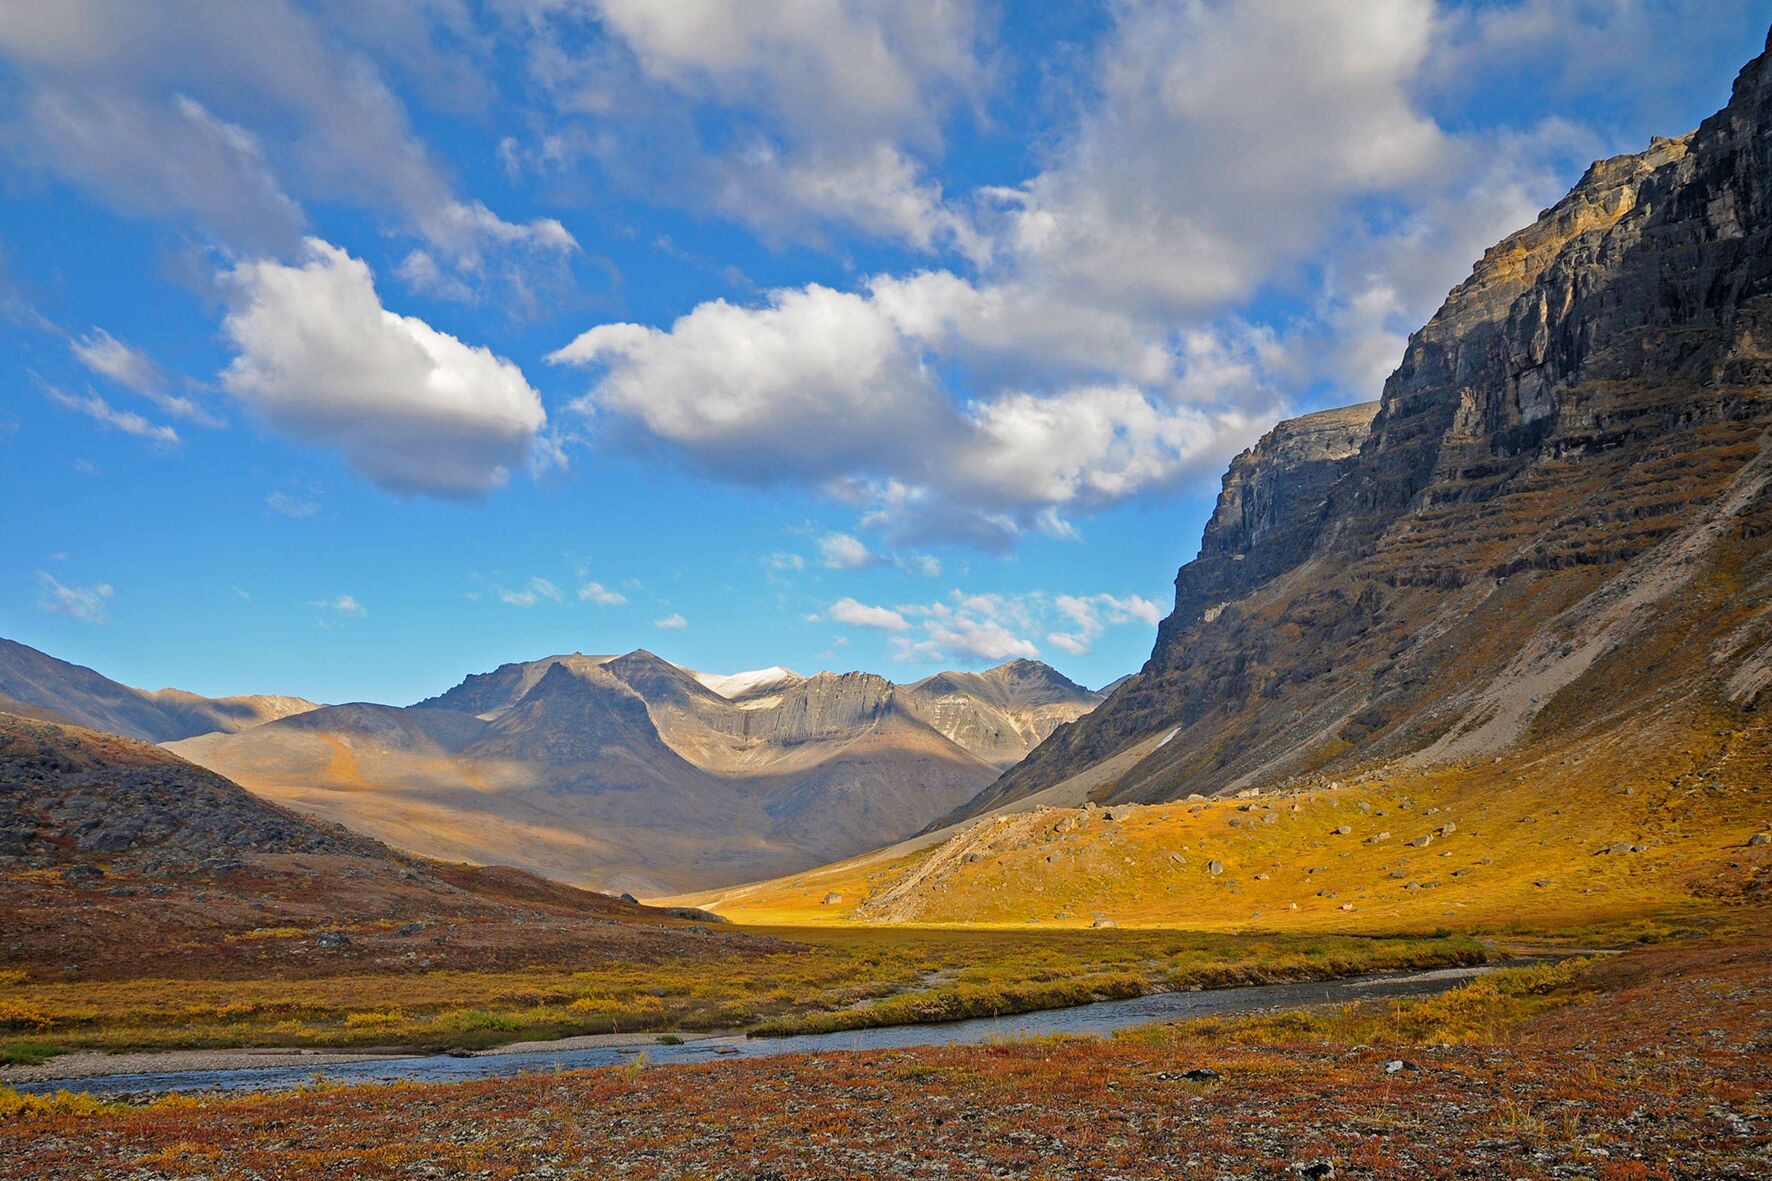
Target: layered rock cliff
1556,524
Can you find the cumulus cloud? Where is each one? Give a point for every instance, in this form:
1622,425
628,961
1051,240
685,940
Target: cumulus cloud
829,387
88,604
967,629
840,551
1089,616
825,107
147,106
861,615
671,622
414,409
1096,352
1225,140
602,596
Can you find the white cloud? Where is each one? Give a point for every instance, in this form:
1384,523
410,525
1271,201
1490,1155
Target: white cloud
829,70
129,367
671,621
966,629
1095,354
88,604
127,421
814,385
840,551
825,106
414,409
1226,139
838,389
861,615
533,592
966,639
156,156
294,507
342,607
602,596
144,105
780,560
1091,615
134,370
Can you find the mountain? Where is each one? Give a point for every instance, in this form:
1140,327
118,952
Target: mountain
631,773
1553,528
33,684
118,859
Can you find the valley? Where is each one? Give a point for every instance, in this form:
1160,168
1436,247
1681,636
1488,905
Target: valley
1432,839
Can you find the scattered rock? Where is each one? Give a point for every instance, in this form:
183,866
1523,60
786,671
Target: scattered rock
1422,842
409,930
332,940
1104,923
80,871
1342,830
1215,867
1314,1170
1759,840
832,898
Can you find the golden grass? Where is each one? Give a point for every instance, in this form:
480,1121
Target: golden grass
1525,853
836,979
1482,1010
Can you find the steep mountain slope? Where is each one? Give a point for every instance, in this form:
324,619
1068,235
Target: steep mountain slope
631,773
34,684
1557,525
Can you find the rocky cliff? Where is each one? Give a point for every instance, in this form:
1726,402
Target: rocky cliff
1556,524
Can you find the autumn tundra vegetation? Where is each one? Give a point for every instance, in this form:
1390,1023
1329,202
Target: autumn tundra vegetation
1466,690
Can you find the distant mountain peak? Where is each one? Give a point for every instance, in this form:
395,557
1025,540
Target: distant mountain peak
733,686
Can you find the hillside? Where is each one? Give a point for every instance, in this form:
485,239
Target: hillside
1553,529
120,860
630,773
33,684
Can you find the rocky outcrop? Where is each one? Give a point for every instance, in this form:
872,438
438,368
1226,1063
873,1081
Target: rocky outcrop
75,797
1558,515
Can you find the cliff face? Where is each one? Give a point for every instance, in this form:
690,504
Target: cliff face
1556,522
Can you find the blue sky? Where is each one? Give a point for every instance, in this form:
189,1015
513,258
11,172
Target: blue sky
349,349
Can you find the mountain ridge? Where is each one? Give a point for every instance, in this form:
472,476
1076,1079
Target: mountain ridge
630,772
35,684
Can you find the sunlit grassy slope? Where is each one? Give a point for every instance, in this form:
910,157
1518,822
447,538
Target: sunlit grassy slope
1579,834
